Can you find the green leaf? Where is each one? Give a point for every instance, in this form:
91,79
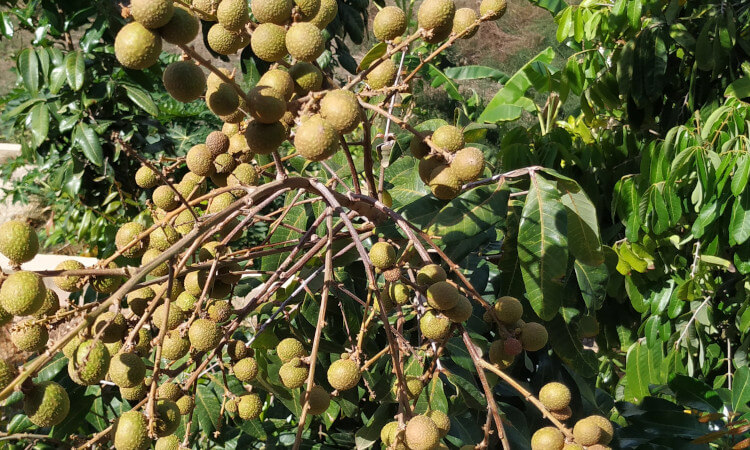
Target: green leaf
367,435
741,174
741,390
642,368
739,223
142,99
553,6
738,88
462,73
207,408
376,52
543,247
583,226
28,67
440,79
567,345
38,123
75,70
704,57
88,141
592,280
634,13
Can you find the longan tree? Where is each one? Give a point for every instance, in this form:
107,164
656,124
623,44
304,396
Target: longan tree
358,312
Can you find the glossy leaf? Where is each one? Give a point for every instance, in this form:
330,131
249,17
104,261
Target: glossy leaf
87,141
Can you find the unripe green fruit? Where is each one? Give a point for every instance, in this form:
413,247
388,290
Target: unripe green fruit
146,178
18,242
186,403
8,373
29,337
90,364
137,47
435,13
171,442
233,14
316,139
573,447
547,438
448,138
269,42
245,369
199,160
204,335
112,326
128,233
237,350
533,336
422,433
279,80
383,75
266,104
554,396
263,138
293,374
306,77
182,28
499,356
22,293
231,406
220,202
431,274
493,9
434,327
163,237
414,387
170,391
341,109
444,183
194,284
508,309
399,293
237,115
150,255
222,100
175,317
184,81
131,431
223,41
168,417
114,348
562,414
441,420
134,394
319,400
606,426
175,346
230,129
383,255
224,164
243,175
386,432
184,222
587,432
442,295
142,345
389,23
468,164
249,407
307,8
289,349
165,198
68,283
326,13
219,311
427,166
461,312
50,305
463,19
273,11
304,41
5,317
343,374
152,13
107,284
127,370
46,404
418,147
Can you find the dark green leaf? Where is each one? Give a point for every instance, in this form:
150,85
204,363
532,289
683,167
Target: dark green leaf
38,123
28,67
142,99
75,70
88,141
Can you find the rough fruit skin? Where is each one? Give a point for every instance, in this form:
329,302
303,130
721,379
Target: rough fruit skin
461,312
383,75
533,336
386,432
204,335
249,406
498,356
422,433
293,374
18,242
431,274
316,139
442,295
199,160
327,11
554,396
186,403
219,311
29,338
304,41
306,77
127,234
266,104
269,42
170,391
587,432
389,23
174,318
383,255
47,404
319,400
222,100
243,175
307,8
169,417
547,438
127,370
434,327
508,309
273,11
171,442
493,9
413,389
418,147
165,198
96,363
137,47
112,326
435,13
512,346
152,13
448,138
264,138
245,369
184,81
427,166
289,349
343,374
182,28
223,41
146,178
562,414
158,271
442,421
7,373
232,14
606,426
463,19
278,79
131,432
399,293
444,183
175,346
134,394
468,164
22,293
341,109
163,237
